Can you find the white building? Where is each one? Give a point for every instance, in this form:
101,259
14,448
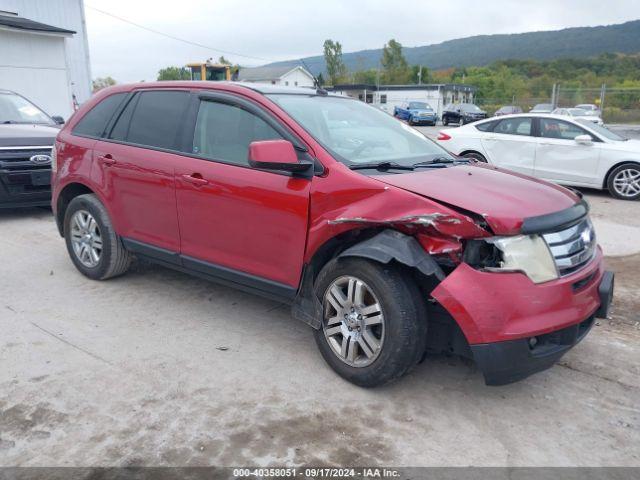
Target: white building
44,53
389,96
284,76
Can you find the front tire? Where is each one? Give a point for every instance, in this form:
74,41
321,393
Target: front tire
624,182
93,245
374,325
445,121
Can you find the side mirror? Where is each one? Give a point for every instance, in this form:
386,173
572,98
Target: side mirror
58,119
276,155
584,139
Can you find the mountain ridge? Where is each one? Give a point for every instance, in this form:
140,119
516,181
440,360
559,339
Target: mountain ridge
480,50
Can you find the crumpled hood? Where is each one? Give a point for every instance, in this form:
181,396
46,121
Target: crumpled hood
22,135
504,199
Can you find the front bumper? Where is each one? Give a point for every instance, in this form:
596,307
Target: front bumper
426,119
516,328
25,187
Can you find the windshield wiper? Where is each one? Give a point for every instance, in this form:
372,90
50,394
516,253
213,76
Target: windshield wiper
438,162
380,166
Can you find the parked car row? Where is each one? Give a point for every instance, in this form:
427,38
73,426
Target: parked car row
386,244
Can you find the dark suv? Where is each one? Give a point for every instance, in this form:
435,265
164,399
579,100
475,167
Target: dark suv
27,135
383,242
462,113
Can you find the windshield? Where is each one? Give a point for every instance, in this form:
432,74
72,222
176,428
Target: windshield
356,133
419,106
468,107
15,109
543,106
577,112
601,130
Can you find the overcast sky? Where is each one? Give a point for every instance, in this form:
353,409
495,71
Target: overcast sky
273,30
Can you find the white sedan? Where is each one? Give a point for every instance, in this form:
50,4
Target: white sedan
578,114
555,148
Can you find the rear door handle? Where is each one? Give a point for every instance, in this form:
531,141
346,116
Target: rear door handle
195,179
107,160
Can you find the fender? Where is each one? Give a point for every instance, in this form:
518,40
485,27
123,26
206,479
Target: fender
393,245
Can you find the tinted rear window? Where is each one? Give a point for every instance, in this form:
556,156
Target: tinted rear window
154,120
95,120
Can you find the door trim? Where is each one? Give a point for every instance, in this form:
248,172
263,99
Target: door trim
213,272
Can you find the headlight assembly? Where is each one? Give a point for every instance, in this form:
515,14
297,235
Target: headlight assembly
528,254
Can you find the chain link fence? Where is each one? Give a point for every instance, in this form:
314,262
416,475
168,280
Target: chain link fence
618,105
491,105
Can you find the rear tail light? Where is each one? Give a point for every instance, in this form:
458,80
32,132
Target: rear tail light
444,136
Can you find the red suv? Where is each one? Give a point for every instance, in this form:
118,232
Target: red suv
385,244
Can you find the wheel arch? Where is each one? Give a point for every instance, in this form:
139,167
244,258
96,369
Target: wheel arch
68,193
618,164
467,150
382,245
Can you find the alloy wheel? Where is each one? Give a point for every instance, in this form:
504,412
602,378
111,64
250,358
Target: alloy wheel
354,324
86,238
627,182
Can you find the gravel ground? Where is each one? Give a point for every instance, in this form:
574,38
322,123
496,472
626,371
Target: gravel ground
159,368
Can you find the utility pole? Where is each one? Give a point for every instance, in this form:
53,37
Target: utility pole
420,76
603,91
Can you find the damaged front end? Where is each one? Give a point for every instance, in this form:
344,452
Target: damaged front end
431,244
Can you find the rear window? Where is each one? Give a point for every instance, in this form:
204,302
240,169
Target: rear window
94,123
152,119
514,126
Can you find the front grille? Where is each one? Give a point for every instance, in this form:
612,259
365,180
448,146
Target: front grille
18,158
573,247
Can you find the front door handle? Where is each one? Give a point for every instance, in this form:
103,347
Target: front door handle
107,160
195,179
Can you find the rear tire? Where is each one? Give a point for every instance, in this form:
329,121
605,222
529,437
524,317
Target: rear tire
624,182
350,289
478,157
445,121
93,245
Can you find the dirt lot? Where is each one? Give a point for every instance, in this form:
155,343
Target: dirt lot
158,368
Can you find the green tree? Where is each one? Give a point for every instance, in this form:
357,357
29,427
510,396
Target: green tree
336,70
395,69
223,61
320,80
420,74
369,77
174,73
102,82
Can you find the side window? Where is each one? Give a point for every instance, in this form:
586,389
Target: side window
95,120
121,128
514,126
486,126
152,119
552,128
223,132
